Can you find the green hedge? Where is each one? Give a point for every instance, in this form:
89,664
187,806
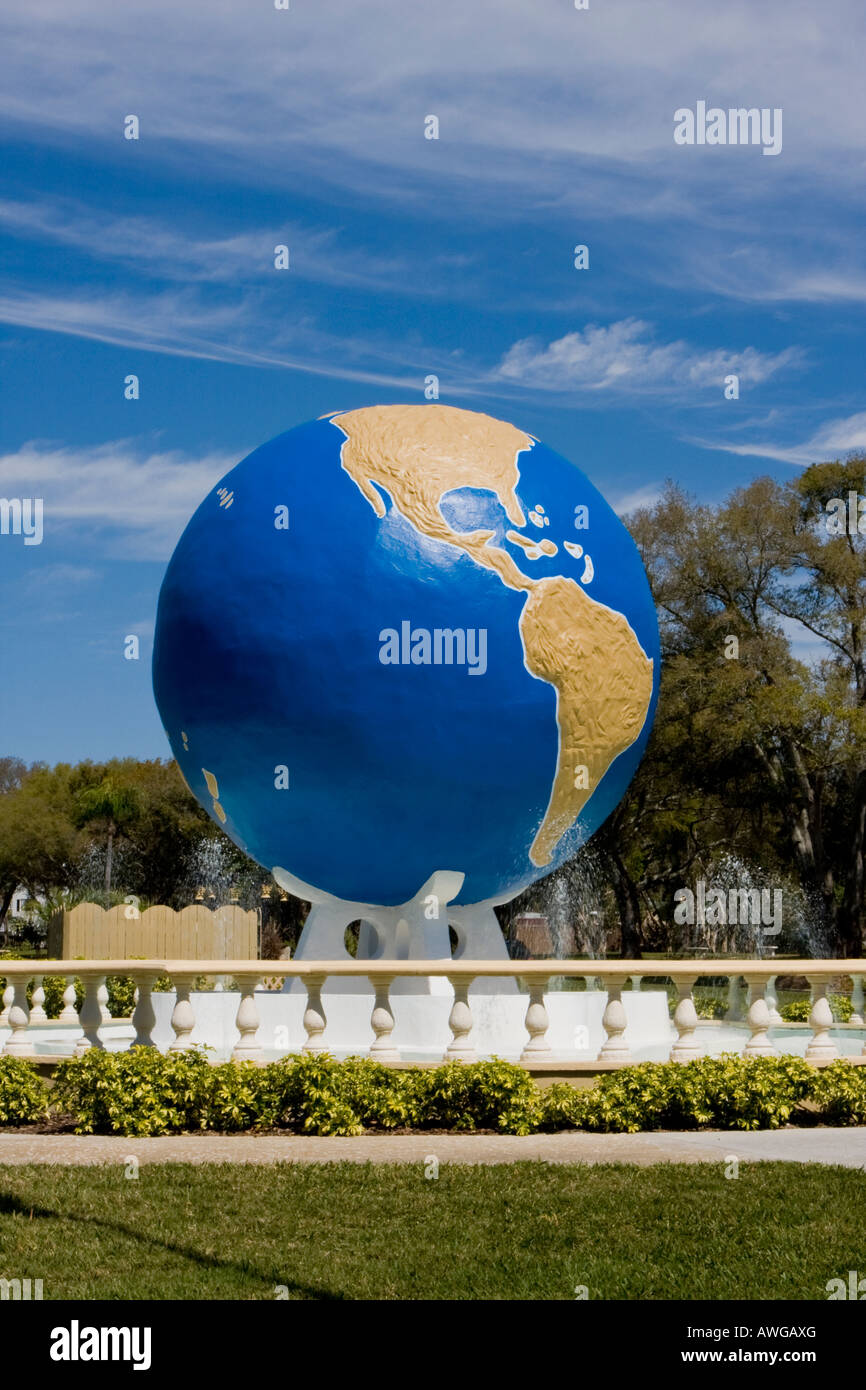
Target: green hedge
144,1092
23,1093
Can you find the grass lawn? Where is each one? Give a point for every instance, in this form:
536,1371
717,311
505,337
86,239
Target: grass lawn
347,1231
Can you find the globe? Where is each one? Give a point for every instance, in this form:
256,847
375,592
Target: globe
407,639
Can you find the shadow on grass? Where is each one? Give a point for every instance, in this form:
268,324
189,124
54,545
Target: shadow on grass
12,1206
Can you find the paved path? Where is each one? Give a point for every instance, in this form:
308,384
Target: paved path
842,1146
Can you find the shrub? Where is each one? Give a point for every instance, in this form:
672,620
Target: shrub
479,1095
840,1093
727,1092
731,1092
710,1006
141,1092
842,1007
23,1093
319,1095
628,1100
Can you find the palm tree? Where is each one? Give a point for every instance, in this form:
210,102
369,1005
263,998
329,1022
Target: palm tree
117,807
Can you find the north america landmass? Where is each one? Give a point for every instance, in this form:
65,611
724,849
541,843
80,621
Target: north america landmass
586,651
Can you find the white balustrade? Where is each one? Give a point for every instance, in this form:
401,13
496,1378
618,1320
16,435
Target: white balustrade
183,1014
537,1022
315,1021
382,1020
759,1044
143,1015
615,1049
90,1017
821,1046
761,1005
460,1022
247,1048
686,1048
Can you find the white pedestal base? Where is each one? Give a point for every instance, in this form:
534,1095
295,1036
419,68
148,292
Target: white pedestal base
415,930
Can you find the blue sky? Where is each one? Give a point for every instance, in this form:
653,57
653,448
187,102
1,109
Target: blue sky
408,257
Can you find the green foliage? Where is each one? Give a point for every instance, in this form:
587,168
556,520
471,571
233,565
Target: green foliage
710,1005
481,1095
23,1093
727,1092
141,1092
797,1011
840,1092
842,1007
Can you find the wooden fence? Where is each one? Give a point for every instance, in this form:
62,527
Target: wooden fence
90,932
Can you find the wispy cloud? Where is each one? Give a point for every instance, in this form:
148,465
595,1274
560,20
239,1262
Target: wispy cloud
831,441
144,498
150,246
180,324
645,496
59,576
625,357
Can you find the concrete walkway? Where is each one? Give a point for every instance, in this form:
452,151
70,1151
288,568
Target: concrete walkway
842,1146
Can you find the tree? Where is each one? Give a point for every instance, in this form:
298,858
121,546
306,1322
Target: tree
113,804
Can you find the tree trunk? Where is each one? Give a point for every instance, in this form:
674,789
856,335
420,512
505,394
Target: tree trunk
628,905
850,917
109,855
4,908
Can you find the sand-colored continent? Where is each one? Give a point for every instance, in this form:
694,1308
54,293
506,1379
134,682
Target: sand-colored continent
419,453
586,651
603,682
532,549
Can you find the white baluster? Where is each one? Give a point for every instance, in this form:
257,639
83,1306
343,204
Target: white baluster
857,1000
821,1046
8,996
183,1014
382,1020
102,998
315,1021
143,1015
90,1017
537,1022
37,1001
686,1048
615,1049
734,1011
460,1022
773,1002
635,983
247,1048
18,1044
759,1044
69,1013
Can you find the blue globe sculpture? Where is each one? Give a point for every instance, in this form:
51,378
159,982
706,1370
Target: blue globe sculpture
401,641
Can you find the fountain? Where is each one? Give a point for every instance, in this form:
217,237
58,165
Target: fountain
407,658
